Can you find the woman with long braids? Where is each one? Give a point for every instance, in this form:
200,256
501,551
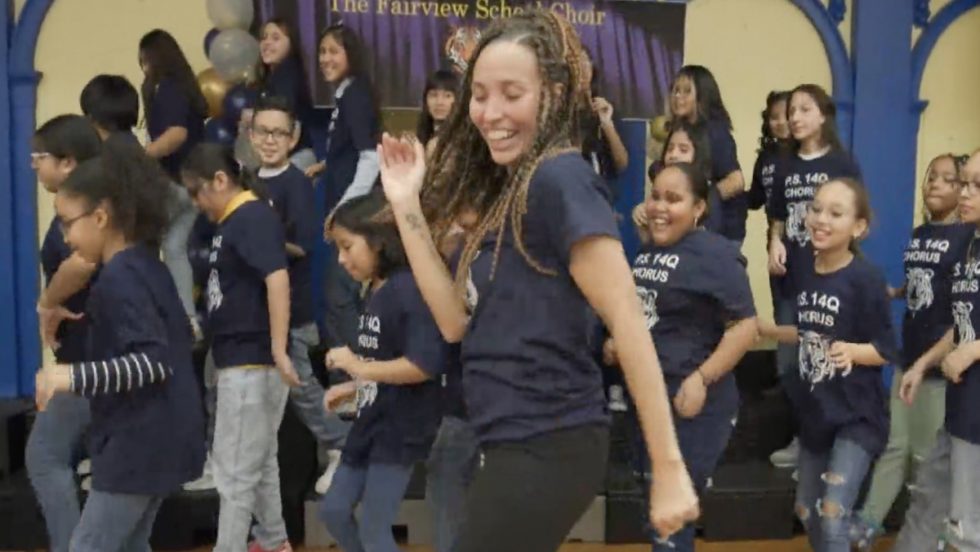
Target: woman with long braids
543,251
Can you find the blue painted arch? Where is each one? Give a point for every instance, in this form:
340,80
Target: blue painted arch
930,37
841,70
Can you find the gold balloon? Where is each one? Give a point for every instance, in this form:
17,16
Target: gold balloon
214,89
658,128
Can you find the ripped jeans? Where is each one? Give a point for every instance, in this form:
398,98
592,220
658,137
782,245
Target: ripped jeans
829,484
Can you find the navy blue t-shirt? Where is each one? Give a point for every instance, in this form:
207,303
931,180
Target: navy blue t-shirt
527,365
849,305
690,292
731,212
962,410
149,440
396,424
291,194
795,185
763,177
286,81
354,127
199,255
248,246
172,108
929,259
72,334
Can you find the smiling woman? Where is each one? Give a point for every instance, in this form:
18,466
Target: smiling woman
542,255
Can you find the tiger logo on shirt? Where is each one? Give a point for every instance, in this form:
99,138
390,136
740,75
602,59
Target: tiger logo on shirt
815,363
215,297
964,324
918,289
367,393
796,223
648,298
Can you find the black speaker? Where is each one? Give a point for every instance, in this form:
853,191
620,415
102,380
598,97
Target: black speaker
748,501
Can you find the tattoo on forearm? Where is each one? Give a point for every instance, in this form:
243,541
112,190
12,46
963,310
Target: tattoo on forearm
414,221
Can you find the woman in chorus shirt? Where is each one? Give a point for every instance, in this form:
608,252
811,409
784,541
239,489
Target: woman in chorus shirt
699,310
844,333
544,251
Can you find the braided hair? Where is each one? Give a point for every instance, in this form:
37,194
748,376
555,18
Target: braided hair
462,174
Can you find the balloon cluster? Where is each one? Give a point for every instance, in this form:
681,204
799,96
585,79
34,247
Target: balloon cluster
234,54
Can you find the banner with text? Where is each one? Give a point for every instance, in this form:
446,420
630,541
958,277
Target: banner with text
636,46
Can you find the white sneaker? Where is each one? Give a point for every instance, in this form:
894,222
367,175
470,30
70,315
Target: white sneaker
323,483
787,457
203,483
84,467
86,484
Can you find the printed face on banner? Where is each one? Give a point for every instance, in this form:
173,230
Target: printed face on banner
636,47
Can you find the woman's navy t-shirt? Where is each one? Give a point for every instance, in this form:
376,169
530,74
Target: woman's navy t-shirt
354,127
795,185
848,305
690,292
527,365
397,423
150,440
172,108
72,334
962,410
929,259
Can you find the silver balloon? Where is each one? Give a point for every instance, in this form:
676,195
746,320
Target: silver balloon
230,14
234,54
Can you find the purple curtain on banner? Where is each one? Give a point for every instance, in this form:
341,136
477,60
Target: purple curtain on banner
637,47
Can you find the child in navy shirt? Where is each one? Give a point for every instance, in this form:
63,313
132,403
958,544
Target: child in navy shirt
699,310
543,255
351,163
282,74
845,336
55,443
399,353
815,157
112,105
946,504
696,98
935,247
147,433
248,323
438,98
175,110
273,133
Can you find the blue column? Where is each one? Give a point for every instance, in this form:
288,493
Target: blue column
884,132
8,320
885,126
22,86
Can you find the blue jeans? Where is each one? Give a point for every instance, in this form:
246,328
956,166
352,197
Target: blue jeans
702,441
53,449
828,487
250,405
343,297
307,398
116,523
174,246
379,489
450,470
945,498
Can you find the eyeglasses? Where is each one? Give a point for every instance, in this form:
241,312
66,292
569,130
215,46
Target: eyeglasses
66,224
263,133
39,155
